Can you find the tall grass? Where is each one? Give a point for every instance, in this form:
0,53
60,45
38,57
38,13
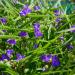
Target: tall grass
49,43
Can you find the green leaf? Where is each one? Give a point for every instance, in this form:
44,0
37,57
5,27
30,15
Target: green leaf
11,72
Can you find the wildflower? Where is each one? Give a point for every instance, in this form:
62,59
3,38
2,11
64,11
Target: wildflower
35,46
25,6
23,34
69,46
9,52
37,31
38,34
58,20
3,20
56,12
36,7
4,30
46,58
4,56
11,41
19,56
73,27
36,26
55,61
26,10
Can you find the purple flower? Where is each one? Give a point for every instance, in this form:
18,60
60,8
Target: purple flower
25,6
4,30
23,34
73,27
55,61
11,41
46,58
9,52
4,56
69,46
26,10
38,34
36,7
3,20
19,56
37,31
35,46
58,20
56,12
36,26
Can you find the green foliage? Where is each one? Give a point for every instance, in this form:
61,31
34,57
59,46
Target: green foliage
48,44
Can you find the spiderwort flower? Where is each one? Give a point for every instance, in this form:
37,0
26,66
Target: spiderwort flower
35,46
9,52
58,20
38,34
69,46
4,30
3,20
36,26
26,10
56,12
11,41
23,34
55,61
36,8
25,6
46,58
37,31
73,27
19,56
4,56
